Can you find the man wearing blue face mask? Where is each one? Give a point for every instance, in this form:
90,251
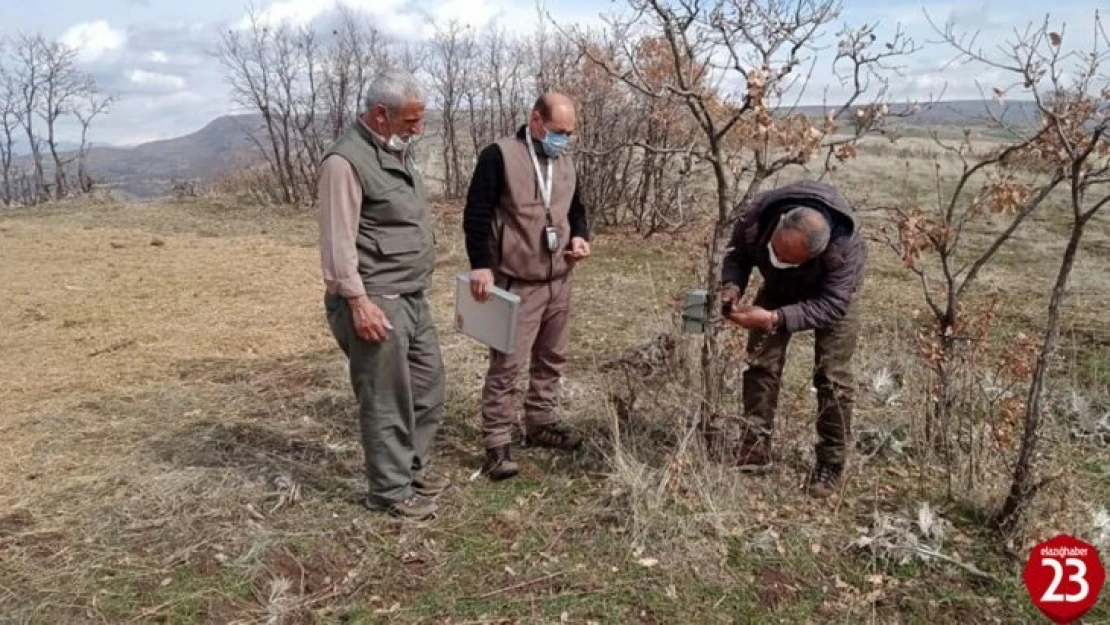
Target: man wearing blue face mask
806,243
525,229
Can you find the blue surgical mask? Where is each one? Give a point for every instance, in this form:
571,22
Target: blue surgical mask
553,143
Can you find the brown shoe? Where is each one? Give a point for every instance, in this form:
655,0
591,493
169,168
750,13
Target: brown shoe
499,464
823,479
428,486
754,457
415,508
557,435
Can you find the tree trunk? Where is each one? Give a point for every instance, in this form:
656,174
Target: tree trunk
1022,487
59,173
937,436
6,163
275,162
84,181
712,370
647,169
36,160
456,166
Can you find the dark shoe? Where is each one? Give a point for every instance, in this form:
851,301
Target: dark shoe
823,479
415,508
554,435
427,486
754,457
499,464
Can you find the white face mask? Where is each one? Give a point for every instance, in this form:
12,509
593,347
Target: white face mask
778,264
397,144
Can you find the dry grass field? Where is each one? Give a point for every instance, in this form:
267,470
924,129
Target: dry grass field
179,446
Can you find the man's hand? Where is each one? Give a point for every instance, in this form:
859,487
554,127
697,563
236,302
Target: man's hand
753,318
730,296
579,248
481,283
371,324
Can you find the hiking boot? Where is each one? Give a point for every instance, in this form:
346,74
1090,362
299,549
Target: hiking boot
823,479
427,486
557,435
754,457
499,464
415,508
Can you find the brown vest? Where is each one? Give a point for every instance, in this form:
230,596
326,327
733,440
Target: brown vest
518,247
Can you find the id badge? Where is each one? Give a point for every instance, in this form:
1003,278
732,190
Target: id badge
551,238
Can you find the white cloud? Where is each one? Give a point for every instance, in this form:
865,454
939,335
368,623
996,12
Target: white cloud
475,13
93,39
302,12
156,80
157,56
404,19
294,12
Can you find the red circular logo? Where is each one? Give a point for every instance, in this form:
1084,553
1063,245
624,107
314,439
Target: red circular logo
1064,577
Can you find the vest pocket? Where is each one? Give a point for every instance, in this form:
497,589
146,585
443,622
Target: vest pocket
395,244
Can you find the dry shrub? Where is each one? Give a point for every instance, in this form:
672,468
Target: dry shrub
254,185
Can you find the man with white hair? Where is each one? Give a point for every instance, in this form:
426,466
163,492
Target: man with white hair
806,242
377,252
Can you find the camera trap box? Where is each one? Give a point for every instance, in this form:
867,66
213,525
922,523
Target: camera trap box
695,311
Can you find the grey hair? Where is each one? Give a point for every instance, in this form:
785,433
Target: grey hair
393,89
812,224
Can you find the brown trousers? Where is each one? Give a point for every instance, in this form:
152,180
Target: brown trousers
832,377
543,333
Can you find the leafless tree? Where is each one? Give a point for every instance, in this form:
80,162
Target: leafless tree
299,90
247,57
932,243
356,52
408,56
41,88
306,90
92,105
505,59
9,126
29,74
1072,93
451,55
746,139
63,86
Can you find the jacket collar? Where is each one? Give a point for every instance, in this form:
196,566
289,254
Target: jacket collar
386,158
536,144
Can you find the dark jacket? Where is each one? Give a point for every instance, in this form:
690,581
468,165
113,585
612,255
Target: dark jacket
816,294
485,196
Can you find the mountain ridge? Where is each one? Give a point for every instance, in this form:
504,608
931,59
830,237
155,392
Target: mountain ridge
150,169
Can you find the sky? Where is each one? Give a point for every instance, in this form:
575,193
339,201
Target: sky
156,55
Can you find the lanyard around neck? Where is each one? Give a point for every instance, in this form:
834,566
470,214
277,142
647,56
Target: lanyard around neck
545,185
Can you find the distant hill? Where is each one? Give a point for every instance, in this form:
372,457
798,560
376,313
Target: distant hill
149,169
22,148
958,113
